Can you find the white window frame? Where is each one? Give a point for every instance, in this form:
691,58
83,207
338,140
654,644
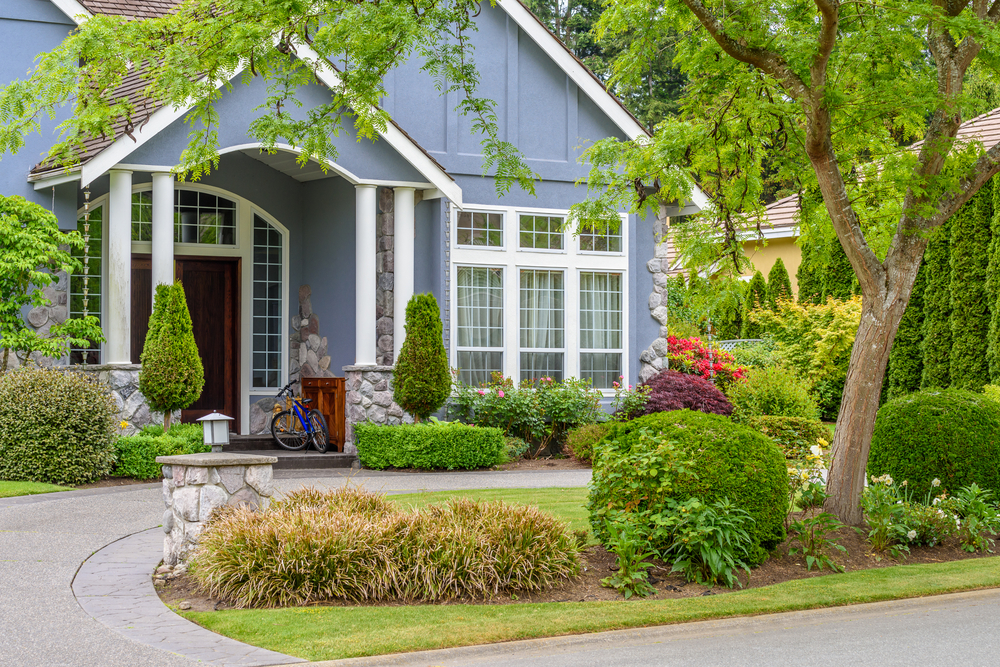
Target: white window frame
512,258
504,335
504,220
620,350
549,214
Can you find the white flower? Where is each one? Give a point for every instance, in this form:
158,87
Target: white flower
904,483
888,480
936,501
912,535
935,483
815,449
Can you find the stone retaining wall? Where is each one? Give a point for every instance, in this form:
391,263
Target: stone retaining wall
369,398
123,380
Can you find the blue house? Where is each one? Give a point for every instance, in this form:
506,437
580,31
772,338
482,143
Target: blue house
303,272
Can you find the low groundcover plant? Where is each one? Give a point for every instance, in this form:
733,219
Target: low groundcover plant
353,545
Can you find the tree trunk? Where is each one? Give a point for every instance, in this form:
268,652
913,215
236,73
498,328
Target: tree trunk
166,421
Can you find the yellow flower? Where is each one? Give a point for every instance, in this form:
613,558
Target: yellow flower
123,425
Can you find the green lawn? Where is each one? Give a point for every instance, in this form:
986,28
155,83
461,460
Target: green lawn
329,633
10,489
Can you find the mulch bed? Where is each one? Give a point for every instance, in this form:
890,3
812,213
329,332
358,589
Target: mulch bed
599,563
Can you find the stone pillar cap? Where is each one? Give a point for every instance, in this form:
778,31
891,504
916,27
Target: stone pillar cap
215,459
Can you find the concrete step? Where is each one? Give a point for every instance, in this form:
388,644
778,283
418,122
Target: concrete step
306,460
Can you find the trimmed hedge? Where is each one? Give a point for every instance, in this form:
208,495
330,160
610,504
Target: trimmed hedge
55,427
949,434
428,446
135,455
794,435
724,460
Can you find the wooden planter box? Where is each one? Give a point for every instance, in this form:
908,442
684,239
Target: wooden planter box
329,397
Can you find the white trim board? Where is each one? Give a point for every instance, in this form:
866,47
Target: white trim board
72,9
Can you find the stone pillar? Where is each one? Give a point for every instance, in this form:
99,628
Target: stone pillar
365,278
385,264
118,289
162,260
369,398
196,484
654,358
404,261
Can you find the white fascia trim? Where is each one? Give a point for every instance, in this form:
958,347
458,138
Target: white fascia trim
73,9
400,142
348,175
780,233
44,182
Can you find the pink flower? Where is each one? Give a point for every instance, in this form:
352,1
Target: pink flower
615,384
482,392
500,393
630,387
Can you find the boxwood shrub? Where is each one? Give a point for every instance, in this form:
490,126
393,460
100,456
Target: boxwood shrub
722,459
428,446
135,455
794,435
55,427
949,434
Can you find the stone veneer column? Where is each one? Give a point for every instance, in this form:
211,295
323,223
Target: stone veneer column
404,265
654,358
118,290
365,275
194,485
386,281
369,398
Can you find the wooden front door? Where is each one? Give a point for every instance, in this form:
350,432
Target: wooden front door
142,303
212,289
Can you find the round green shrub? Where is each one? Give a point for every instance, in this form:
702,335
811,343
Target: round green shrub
949,434
580,441
722,459
56,427
773,391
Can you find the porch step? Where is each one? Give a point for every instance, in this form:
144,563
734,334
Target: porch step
248,443
311,460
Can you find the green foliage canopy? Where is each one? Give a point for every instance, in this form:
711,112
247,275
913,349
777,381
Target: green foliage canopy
30,255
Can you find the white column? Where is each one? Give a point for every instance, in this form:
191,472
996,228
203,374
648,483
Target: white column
117,327
162,259
403,236
364,291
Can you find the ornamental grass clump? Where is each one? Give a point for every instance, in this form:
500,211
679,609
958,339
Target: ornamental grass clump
353,545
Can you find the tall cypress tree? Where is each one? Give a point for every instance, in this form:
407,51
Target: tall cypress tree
970,308
993,288
937,309
422,381
808,275
756,297
906,360
779,285
838,277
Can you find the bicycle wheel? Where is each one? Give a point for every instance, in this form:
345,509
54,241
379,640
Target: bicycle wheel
287,431
320,435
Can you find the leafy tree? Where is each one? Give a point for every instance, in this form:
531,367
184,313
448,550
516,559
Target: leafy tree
970,307
172,375
186,54
32,250
937,311
756,298
906,360
422,381
844,88
779,285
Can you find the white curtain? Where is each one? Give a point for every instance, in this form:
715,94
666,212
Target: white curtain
600,311
480,307
542,309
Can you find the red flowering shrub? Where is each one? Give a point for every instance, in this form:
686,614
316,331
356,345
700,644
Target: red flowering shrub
671,390
692,356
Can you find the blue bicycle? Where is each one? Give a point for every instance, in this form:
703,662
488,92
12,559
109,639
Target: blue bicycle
296,426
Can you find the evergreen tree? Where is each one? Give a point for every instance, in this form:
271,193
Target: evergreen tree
172,376
837,276
937,309
993,287
779,285
906,360
422,380
756,297
728,314
970,308
808,275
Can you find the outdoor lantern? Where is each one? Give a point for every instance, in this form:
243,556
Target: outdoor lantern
216,430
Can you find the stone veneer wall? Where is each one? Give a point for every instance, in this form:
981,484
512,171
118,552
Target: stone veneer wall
192,492
653,359
41,319
123,380
385,278
369,398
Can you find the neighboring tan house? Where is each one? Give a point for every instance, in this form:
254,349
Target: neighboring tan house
295,271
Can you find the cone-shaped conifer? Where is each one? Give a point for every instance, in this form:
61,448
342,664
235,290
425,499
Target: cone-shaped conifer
422,381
